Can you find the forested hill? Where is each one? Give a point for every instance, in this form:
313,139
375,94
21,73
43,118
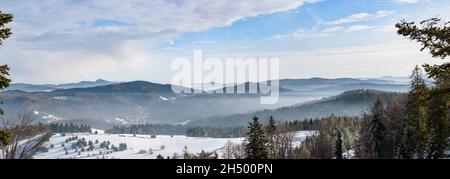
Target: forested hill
351,103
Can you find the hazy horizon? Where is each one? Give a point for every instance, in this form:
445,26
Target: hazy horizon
114,81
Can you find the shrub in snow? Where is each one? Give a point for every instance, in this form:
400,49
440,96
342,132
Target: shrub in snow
150,151
122,146
142,152
41,149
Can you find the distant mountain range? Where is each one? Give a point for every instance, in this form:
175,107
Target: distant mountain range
107,103
284,84
127,87
50,87
350,103
342,84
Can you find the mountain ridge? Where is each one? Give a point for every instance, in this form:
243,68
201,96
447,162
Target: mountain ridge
51,87
349,103
146,102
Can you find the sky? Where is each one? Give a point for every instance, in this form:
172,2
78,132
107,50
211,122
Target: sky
60,41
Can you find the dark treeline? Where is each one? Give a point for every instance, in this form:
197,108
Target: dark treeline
167,129
413,127
69,128
216,132
315,124
336,135
149,129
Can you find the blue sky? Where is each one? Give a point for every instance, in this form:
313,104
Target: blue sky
314,18
57,41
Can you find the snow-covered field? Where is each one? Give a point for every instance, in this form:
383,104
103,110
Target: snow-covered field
136,145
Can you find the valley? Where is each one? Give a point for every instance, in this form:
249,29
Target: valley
141,102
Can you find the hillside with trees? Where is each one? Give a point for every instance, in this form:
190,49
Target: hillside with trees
351,103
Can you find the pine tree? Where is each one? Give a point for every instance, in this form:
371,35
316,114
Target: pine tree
271,130
122,146
5,136
433,35
438,121
256,141
338,146
394,121
5,18
377,131
186,154
415,132
66,128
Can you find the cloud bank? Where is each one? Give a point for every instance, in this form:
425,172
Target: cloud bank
88,39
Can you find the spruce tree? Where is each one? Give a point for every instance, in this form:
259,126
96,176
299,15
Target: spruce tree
5,18
159,156
377,131
338,146
433,35
256,141
439,121
271,130
415,132
186,154
5,138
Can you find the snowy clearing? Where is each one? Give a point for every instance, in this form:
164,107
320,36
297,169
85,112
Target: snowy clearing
138,146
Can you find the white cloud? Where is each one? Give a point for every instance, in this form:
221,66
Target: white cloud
333,29
360,17
301,34
357,28
395,59
42,66
136,16
385,28
67,40
405,1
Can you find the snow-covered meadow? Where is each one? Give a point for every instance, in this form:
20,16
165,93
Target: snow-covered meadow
138,146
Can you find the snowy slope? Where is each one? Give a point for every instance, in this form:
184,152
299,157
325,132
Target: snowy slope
172,144
135,144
